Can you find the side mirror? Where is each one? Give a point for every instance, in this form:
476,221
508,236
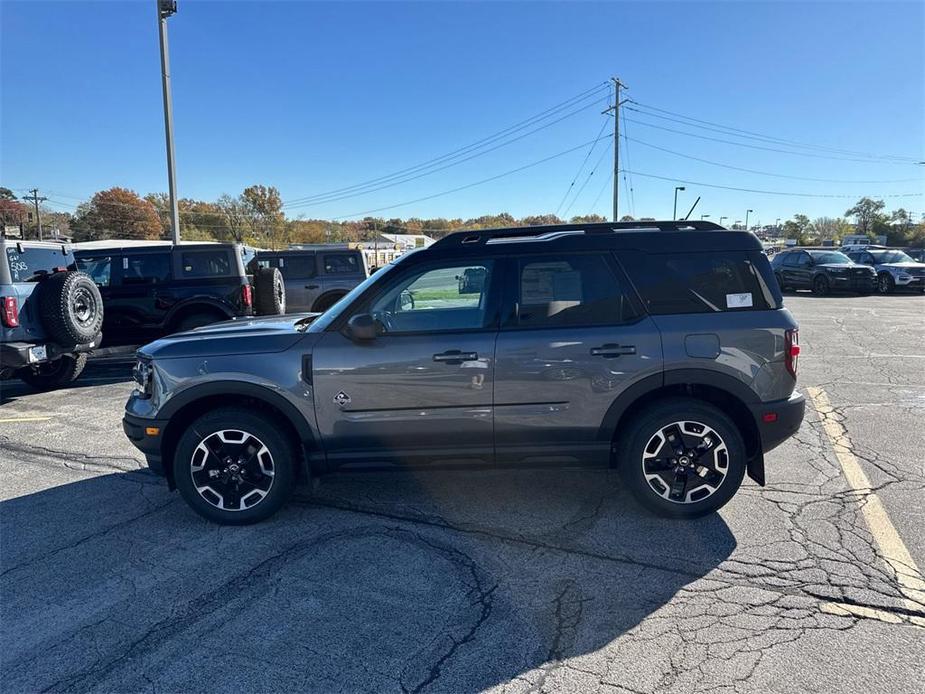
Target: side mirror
363,326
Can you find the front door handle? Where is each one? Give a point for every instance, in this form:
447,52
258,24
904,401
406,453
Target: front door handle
312,286
611,351
454,356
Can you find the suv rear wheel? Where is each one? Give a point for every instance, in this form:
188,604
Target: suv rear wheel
326,302
682,458
235,466
54,374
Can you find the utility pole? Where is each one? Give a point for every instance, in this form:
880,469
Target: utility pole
615,109
35,200
165,8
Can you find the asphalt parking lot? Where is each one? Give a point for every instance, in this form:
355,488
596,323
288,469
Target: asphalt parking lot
540,581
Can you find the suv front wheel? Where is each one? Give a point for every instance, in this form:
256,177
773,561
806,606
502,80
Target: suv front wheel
235,466
682,458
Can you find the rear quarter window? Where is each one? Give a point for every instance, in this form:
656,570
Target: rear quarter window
706,282
198,264
29,264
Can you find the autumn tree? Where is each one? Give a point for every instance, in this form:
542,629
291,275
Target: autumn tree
263,212
234,217
116,213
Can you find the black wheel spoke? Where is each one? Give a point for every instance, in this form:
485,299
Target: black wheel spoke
678,486
685,462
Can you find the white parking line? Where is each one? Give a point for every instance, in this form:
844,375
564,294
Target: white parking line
892,548
9,420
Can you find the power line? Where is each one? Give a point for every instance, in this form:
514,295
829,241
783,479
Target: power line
768,173
587,180
626,149
774,192
581,168
478,144
750,146
601,192
754,135
470,185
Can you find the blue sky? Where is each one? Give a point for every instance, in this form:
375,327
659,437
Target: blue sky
311,97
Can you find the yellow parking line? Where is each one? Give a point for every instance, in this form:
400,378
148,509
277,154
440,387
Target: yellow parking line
9,420
892,548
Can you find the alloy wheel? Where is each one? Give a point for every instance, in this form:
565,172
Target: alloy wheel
232,470
685,462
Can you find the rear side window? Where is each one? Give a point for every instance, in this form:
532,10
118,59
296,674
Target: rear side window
702,282
147,268
301,266
98,267
574,290
196,264
341,263
31,264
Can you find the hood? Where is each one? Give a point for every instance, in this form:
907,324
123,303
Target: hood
264,335
842,265
908,265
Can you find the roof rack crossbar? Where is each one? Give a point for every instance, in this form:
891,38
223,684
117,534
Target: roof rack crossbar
553,231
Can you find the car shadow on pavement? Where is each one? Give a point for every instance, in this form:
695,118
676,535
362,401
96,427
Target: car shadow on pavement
439,581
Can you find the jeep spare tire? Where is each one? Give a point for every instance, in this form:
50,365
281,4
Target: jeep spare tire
269,292
71,308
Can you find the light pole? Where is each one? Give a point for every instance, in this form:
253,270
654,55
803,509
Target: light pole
675,213
747,212
721,220
703,217
165,8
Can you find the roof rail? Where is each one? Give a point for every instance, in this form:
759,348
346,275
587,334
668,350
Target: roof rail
551,232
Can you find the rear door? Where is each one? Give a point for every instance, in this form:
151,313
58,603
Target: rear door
133,310
300,275
341,271
574,338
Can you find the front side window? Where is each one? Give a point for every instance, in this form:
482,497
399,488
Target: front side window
831,258
569,291
341,263
882,257
99,268
436,299
196,264
147,268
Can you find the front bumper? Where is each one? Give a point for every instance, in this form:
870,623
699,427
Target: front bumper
785,418
854,283
15,355
140,431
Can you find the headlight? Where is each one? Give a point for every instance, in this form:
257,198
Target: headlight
142,374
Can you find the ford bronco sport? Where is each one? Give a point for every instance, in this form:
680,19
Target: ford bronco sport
659,348
50,314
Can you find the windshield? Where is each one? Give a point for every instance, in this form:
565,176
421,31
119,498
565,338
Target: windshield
833,257
31,263
328,317
891,257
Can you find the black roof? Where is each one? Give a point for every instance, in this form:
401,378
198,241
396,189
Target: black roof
662,236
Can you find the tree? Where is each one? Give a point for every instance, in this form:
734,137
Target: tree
867,213
627,218
6,194
829,228
263,212
540,219
588,219
116,213
234,216
797,228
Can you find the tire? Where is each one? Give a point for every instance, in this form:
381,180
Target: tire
885,283
821,285
639,455
71,308
54,374
326,302
197,320
225,500
269,292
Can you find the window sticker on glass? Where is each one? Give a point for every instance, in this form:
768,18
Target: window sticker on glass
743,300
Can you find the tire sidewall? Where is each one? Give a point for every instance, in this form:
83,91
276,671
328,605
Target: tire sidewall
269,291
57,304
261,426
885,283
821,285
644,426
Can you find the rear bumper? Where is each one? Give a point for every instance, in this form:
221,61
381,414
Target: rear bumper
15,355
787,415
139,432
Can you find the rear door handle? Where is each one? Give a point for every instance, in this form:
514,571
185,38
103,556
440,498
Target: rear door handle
312,286
454,356
610,351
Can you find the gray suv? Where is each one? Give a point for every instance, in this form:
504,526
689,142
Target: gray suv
664,351
316,278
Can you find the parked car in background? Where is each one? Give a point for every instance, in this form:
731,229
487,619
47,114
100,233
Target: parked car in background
472,280
153,288
315,279
662,349
50,314
917,254
822,271
895,269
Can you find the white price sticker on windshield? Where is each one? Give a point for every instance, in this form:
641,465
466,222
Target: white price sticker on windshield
739,300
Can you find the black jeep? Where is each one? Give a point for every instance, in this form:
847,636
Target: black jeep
153,288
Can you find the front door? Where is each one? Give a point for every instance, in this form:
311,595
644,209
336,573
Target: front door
423,388
572,341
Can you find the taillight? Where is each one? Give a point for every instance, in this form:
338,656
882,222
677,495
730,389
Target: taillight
792,350
10,308
247,296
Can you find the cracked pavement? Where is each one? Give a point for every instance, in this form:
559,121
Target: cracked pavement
469,581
